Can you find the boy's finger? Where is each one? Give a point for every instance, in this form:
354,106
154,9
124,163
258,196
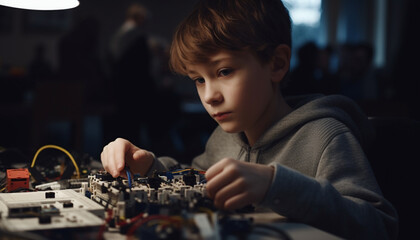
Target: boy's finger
237,201
218,182
104,158
117,159
215,169
123,174
138,154
234,188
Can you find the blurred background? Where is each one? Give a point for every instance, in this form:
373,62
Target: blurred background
66,76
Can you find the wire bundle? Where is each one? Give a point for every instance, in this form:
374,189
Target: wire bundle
58,148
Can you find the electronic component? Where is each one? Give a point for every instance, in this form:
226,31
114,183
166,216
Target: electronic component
63,197
63,184
17,179
167,205
173,204
34,211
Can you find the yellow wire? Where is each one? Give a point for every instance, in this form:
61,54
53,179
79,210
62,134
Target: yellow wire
58,148
1,190
184,170
158,221
180,171
206,210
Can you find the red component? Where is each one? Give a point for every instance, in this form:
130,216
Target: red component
17,178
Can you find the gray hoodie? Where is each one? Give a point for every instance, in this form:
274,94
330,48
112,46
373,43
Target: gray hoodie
322,176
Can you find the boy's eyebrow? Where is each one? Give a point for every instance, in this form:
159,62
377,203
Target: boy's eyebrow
217,61
212,63
189,72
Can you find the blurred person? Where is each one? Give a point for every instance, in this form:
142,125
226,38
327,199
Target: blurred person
79,57
325,74
303,77
132,84
357,75
40,69
313,72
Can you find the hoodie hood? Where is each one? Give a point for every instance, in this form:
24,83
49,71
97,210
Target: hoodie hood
309,108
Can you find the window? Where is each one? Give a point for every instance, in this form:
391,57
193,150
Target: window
306,19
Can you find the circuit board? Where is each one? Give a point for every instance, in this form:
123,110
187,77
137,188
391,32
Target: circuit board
167,205
59,196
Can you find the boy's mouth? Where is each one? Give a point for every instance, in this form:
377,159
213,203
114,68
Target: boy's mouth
221,116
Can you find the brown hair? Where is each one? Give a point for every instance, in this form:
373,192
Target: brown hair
257,25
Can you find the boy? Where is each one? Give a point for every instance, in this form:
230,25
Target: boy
302,158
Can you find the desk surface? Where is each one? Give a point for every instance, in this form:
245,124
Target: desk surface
98,205
264,225
273,225
294,230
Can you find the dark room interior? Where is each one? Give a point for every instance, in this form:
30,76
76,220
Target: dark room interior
57,81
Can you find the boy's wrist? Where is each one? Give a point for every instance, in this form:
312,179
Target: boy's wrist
271,170
268,171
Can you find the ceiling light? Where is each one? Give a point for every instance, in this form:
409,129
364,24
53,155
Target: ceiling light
40,4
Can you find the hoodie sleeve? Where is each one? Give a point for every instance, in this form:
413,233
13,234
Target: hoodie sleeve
343,198
161,164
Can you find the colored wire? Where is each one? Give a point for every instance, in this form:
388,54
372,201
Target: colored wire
103,226
129,177
165,222
206,210
132,220
3,182
23,190
158,221
180,171
188,169
147,219
58,148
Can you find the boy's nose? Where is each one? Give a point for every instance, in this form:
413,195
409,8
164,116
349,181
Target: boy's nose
212,94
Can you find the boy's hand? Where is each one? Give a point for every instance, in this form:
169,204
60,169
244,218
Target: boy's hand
234,184
119,153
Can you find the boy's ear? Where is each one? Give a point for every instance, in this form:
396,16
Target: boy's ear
280,62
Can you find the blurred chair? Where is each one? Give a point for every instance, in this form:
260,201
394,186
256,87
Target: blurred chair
394,156
384,108
58,101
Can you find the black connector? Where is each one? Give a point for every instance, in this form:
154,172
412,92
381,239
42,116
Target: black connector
190,178
44,219
49,194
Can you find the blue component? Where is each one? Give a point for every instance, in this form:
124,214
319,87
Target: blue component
129,177
169,175
88,194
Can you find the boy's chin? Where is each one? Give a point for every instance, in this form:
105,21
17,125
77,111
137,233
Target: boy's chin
229,128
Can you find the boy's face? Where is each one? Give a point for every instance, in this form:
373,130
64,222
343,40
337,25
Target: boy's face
236,90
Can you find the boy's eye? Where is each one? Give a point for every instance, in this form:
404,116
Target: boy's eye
199,80
225,72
